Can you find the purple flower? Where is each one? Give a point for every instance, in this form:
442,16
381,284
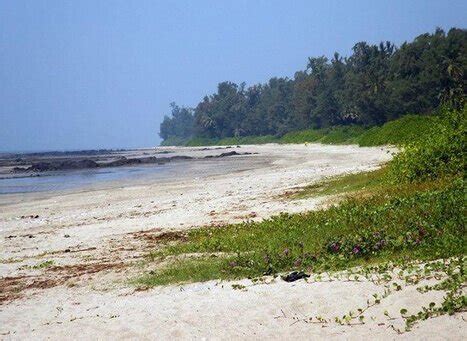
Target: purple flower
334,247
356,250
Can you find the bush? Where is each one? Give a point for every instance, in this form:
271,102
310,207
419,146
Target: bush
438,153
248,140
343,135
201,141
226,141
401,131
302,136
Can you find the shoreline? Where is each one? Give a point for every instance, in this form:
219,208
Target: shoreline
103,177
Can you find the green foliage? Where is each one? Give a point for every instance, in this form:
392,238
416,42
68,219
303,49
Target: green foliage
342,135
179,125
332,135
302,136
402,131
249,140
43,265
343,184
201,141
174,141
449,275
227,141
454,301
439,153
188,270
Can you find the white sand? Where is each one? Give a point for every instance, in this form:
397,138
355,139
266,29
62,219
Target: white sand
95,234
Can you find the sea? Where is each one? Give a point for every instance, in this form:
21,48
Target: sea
89,179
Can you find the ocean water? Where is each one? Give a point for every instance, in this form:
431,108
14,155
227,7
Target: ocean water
121,176
55,181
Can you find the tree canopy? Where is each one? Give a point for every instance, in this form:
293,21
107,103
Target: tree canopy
375,84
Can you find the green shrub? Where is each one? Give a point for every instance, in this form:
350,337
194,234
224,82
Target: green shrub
401,131
343,135
302,136
201,141
439,153
227,141
248,140
334,135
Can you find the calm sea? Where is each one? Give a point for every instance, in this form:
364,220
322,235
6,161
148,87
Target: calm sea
120,176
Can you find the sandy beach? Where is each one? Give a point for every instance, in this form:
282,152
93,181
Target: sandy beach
97,238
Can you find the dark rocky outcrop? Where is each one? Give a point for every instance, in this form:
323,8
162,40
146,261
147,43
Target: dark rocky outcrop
232,153
123,161
215,148
62,165
178,157
55,165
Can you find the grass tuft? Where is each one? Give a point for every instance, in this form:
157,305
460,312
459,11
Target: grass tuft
343,184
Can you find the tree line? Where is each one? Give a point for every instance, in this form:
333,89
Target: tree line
375,84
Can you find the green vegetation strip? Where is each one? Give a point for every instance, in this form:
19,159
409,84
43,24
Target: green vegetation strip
420,221
349,183
401,131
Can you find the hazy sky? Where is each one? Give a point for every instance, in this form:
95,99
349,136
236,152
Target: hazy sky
101,74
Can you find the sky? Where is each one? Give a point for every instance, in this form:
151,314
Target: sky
101,74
